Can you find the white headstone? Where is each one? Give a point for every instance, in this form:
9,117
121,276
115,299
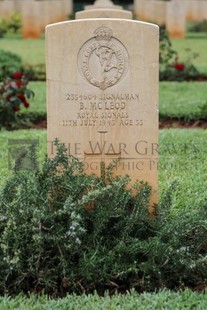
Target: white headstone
160,12
139,9
7,7
102,4
31,25
102,94
194,10
175,19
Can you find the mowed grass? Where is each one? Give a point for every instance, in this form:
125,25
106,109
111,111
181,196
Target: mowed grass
38,102
32,51
176,99
182,159
164,300
182,99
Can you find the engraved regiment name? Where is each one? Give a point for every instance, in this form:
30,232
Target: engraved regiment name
103,59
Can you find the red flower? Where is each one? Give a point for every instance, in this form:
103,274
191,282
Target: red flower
18,83
17,75
16,109
23,100
26,104
179,67
8,97
22,97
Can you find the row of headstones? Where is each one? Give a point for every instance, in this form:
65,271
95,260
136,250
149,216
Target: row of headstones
36,14
173,14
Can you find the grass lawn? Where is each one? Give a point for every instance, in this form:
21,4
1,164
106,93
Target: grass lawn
32,51
182,99
183,160
38,103
164,300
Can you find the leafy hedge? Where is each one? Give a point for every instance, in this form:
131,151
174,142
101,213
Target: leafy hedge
65,232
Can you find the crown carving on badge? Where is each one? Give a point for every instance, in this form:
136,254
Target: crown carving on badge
103,33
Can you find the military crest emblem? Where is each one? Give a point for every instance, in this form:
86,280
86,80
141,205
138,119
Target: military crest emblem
103,59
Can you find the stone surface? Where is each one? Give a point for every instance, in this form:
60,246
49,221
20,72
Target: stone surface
56,11
202,11
194,10
160,12
104,13
37,14
150,10
102,4
44,18
6,8
103,9
102,94
18,4
175,19
68,7
31,26
139,9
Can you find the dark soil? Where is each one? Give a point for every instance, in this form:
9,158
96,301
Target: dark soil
39,124
163,124
179,123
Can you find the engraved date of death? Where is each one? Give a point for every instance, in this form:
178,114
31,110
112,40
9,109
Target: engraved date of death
102,122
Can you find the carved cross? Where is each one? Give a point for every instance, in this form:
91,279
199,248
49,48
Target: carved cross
103,150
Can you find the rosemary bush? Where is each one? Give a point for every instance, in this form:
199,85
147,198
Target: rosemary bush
63,231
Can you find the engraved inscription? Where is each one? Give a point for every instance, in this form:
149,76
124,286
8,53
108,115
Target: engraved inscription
102,110
103,60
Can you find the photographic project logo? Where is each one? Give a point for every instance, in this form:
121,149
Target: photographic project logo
22,154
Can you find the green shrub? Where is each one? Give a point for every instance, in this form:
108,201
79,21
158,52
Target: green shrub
35,72
167,53
9,64
11,24
3,27
63,231
14,23
198,26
